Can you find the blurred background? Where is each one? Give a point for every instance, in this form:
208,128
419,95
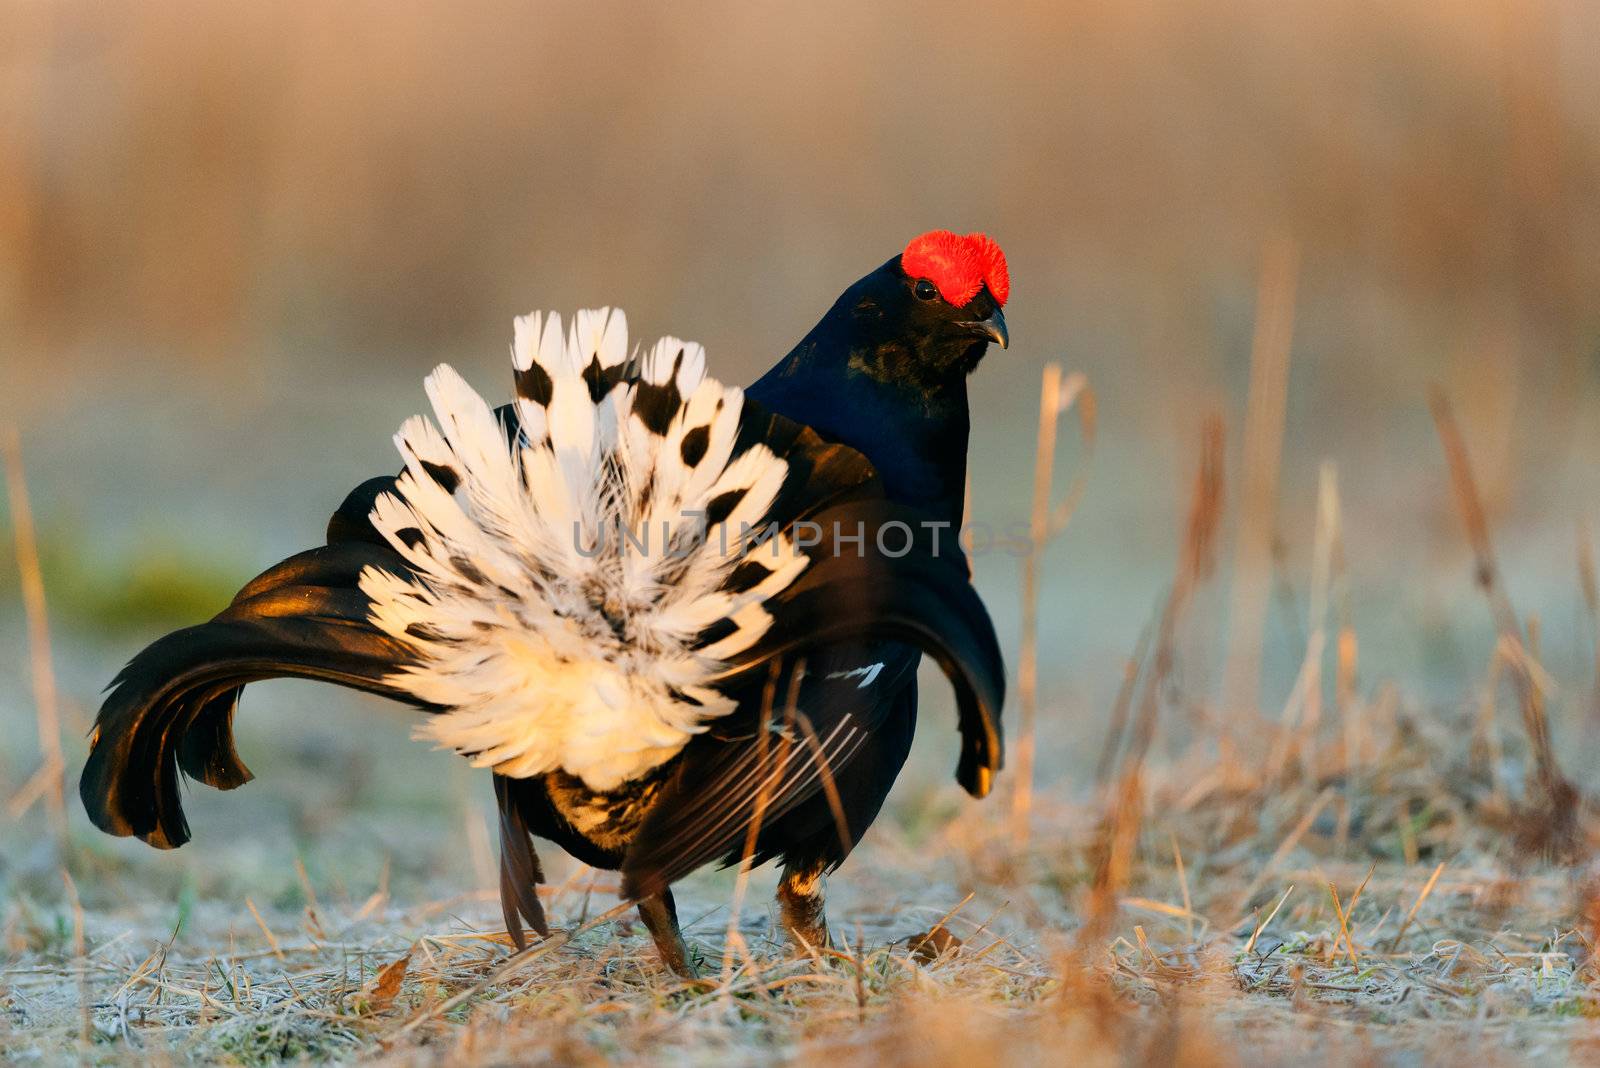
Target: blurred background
234,238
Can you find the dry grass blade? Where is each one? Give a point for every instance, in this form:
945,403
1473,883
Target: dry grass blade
1590,585
779,761
932,944
79,959
1554,830
1118,726
272,940
1286,846
830,789
510,967
1249,947
1057,396
928,946
1344,926
1076,395
1355,899
1195,563
51,778
1326,536
1118,832
861,976
1183,887
1427,889
1263,447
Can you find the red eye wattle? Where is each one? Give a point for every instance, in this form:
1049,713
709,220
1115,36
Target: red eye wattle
958,266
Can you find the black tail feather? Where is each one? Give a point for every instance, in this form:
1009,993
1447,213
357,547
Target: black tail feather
520,874
172,707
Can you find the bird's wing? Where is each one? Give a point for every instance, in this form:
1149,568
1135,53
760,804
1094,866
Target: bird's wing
855,601
172,707
907,583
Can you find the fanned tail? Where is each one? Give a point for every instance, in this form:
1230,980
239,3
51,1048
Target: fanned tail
571,584
172,707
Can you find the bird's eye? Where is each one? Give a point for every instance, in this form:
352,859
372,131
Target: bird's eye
926,290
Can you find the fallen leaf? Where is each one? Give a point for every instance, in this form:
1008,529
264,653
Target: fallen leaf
931,945
386,986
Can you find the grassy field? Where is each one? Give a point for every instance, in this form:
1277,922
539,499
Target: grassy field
1329,914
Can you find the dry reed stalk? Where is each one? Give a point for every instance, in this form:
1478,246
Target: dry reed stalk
33,34
1119,709
1351,712
1408,833
966,519
1554,830
1302,714
1119,826
79,959
1195,562
375,904
861,977
830,789
50,780
1322,552
1058,394
1263,445
769,694
1287,737
1028,656
1542,683
1591,602
1485,747
1115,842
306,888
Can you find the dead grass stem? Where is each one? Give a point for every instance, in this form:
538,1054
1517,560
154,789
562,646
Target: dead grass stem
49,781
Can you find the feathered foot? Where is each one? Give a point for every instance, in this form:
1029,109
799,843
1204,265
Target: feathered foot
801,900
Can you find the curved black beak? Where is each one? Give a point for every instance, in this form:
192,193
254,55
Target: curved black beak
990,329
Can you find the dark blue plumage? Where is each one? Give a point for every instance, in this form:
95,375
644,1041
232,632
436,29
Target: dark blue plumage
885,373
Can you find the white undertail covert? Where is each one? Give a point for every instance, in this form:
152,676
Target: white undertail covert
568,608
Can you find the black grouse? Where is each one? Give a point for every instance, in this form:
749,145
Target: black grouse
681,622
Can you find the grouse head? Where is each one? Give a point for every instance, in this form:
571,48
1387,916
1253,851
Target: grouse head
927,316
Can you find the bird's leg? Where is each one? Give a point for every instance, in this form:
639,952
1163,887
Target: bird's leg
660,916
800,898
